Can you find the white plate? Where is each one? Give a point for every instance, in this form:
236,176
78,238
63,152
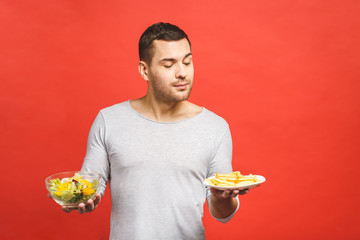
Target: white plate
260,179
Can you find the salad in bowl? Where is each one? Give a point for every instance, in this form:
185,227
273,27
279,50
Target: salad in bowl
71,188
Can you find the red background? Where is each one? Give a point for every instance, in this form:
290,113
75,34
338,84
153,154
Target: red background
284,74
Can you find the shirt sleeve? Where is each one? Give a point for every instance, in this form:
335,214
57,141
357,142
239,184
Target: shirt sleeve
96,158
221,163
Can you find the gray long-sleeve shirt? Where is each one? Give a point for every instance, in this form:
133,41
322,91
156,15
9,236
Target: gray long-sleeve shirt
156,170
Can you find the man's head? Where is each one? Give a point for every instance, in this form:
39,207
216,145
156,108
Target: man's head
158,31
166,63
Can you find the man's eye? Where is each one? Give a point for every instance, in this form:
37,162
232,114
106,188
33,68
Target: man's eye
187,62
168,66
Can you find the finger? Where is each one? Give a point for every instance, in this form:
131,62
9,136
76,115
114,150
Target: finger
213,190
226,194
97,199
81,208
235,193
216,192
243,192
90,205
66,209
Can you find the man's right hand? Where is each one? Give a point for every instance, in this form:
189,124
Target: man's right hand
82,208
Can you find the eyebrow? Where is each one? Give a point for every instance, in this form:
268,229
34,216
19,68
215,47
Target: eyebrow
173,59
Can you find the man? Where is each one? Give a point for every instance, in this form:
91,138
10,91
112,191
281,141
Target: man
157,150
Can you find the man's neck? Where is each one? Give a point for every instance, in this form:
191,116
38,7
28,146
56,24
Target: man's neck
164,112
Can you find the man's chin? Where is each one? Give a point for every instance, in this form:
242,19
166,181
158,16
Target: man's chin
175,97
183,98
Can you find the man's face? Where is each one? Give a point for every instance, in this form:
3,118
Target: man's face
171,71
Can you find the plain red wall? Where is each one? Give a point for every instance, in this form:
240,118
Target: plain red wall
284,74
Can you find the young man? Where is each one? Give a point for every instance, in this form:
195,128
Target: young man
157,150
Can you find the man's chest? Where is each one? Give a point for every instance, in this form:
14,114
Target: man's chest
160,149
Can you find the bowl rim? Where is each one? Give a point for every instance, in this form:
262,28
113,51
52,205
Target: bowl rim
94,175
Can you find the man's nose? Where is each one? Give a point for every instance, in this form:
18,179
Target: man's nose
181,71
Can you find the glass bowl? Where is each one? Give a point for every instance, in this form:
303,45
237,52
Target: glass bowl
73,187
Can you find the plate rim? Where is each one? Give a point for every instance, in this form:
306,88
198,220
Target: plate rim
263,179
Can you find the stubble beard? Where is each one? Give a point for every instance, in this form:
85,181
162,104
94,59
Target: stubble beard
164,95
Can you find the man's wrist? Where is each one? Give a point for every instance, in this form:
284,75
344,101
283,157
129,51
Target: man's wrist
221,207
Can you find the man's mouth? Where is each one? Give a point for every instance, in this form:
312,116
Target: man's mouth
181,86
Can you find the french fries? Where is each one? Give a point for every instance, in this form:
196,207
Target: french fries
234,179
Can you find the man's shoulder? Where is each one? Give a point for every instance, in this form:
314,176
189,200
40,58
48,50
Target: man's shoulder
210,115
116,109
211,118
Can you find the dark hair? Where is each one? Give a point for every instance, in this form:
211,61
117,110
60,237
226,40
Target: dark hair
158,31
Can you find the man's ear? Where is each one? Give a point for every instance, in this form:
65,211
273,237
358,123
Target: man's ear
143,70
